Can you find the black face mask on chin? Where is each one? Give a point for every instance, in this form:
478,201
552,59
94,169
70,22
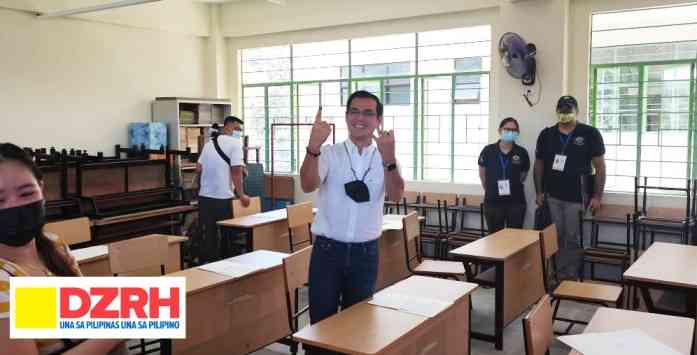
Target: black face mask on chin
20,225
357,190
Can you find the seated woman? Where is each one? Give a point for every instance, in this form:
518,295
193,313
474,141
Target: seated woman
25,250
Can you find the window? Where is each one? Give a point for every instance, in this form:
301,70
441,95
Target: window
643,72
432,84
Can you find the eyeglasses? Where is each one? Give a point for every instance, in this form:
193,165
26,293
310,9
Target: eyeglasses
354,112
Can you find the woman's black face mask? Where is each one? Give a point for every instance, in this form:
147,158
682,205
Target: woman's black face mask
20,225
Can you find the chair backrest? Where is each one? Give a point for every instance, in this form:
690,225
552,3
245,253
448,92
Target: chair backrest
300,214
411,196
71,231
537,328
411,231
613,211
296,270
433,197
472,200
141,253
549,241
240,211
300,217
642,186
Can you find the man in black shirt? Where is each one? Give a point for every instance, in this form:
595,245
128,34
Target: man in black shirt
503,166
566,154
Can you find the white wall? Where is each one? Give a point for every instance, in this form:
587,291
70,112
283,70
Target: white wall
177,16
247,18
77,83
540,22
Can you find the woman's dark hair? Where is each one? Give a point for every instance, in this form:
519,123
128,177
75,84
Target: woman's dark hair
49,250
509,119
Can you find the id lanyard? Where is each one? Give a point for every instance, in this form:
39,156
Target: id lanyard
504,165
565,141
370,164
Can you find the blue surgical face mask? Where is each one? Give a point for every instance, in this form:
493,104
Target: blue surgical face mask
236,134
509,136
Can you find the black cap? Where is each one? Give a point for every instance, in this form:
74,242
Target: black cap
232,119
567,104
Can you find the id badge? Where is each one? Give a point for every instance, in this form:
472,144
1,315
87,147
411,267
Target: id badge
559,162
504,188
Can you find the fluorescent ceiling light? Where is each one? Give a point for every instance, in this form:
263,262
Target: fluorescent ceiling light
95,8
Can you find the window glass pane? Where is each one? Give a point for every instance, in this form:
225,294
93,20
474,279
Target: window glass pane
280,112
382,56
427,148
319,60
442,51
642,108
254,119
266,65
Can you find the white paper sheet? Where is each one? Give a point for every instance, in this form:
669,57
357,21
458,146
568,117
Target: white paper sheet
227,268
259,259
631,341
90,252
388,300
424,307
391,226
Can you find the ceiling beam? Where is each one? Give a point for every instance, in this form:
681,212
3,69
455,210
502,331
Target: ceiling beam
94,8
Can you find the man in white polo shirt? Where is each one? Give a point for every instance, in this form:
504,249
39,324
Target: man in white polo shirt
353,177
220,169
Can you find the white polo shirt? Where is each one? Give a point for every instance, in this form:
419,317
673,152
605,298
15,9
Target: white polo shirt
215,177
338,216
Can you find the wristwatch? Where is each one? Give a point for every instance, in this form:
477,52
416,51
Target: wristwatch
308,151
390,166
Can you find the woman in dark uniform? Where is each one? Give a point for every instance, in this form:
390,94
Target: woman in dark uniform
503,167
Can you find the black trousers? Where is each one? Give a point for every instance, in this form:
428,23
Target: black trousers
508,215
210,211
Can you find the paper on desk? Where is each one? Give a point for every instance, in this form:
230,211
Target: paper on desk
259,259
89,252
425,307
388,300
631,341
391,226
227,268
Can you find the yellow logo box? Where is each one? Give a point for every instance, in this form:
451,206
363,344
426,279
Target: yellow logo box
36,308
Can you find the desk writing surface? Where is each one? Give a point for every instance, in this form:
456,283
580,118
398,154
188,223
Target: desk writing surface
675,332
371,329
432,288
88,254
394,221
258,219
500,245
93,253
199,280
666,263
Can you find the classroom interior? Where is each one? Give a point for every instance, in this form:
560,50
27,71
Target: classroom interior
87,90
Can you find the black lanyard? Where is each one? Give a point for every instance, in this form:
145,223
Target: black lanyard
370,164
